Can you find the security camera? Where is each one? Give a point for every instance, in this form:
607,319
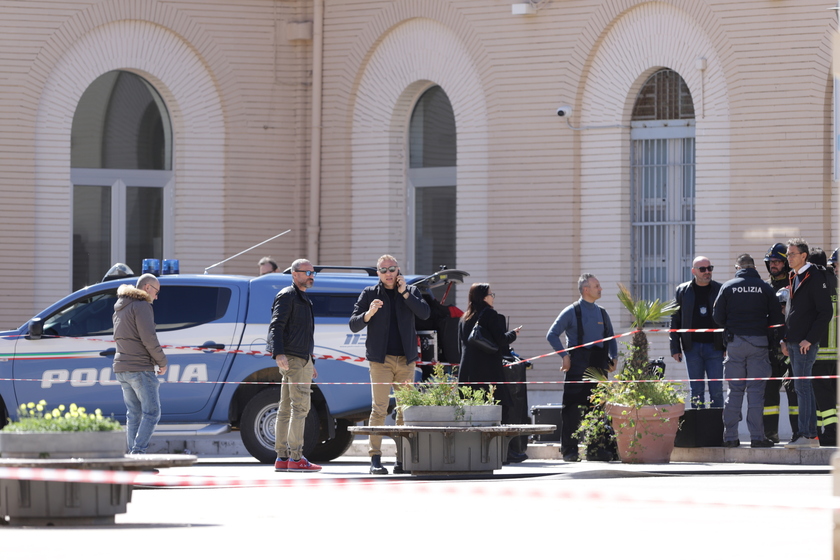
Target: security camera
564,111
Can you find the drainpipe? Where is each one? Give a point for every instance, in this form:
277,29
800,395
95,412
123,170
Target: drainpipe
314,227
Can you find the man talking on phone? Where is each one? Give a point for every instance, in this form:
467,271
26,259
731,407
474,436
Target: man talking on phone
388,310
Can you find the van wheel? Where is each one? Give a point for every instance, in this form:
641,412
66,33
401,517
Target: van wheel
335,447
258,422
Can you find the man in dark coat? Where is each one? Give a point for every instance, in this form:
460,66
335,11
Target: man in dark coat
809,313
388,310
703,351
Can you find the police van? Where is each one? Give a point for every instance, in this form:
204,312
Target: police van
213,329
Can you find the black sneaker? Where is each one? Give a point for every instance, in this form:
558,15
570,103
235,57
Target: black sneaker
571,457
732,443
773,436
761,443
398,468
376,465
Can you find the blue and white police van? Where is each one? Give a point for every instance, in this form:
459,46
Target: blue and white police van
213,329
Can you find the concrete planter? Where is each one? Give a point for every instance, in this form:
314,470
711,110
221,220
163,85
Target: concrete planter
453,452
646,434
60,445
35,502
486,415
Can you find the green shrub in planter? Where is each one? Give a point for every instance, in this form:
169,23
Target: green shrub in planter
442,390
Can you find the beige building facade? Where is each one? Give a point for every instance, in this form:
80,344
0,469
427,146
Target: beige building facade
694,127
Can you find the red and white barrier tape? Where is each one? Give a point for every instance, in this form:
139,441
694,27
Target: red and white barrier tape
360,359
527,491
554,382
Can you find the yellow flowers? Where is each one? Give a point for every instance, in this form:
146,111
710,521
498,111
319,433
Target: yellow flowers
35,417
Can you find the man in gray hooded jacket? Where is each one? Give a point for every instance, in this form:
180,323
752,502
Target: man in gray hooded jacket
138,352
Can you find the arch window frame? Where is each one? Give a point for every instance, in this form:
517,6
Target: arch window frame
663,192
418,178
117,186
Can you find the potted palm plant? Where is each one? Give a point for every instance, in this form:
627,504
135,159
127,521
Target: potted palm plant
642,408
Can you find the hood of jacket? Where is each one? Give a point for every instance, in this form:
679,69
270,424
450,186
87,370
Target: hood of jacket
126,293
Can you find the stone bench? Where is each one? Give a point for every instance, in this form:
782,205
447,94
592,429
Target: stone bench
443,450
43,502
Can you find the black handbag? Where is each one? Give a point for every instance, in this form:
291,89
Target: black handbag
479,337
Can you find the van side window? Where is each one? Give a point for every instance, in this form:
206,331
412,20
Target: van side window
182,307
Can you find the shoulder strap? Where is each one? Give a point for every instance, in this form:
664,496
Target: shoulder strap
604,320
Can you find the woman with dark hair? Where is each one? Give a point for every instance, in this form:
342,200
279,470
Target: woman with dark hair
478,368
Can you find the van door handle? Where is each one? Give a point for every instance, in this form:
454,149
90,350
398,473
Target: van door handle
108,352
210,345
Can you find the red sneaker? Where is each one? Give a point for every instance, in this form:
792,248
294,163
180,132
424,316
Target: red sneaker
302,465
281,465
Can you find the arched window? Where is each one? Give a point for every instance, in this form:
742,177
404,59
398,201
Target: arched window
662,183
432,191
121,159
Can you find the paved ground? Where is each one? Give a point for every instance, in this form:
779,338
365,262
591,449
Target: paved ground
536,509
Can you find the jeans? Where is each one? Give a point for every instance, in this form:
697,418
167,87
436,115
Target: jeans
141,393
704,361
746,358
295,401
801,366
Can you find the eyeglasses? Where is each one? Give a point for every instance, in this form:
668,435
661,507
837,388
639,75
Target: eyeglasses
307,272
384,269
794,253
705,268
157,290
492,295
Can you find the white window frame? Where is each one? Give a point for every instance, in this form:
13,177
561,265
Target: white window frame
675,226
119,180
418,178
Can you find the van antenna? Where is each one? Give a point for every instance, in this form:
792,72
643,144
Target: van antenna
246,250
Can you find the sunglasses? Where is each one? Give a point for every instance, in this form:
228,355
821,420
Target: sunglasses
384,269
705,268
307,272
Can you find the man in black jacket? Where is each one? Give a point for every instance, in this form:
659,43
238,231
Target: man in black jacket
291,342
809,313
745,308
388,310
703,352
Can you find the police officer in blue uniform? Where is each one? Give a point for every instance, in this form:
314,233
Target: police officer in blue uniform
745,307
